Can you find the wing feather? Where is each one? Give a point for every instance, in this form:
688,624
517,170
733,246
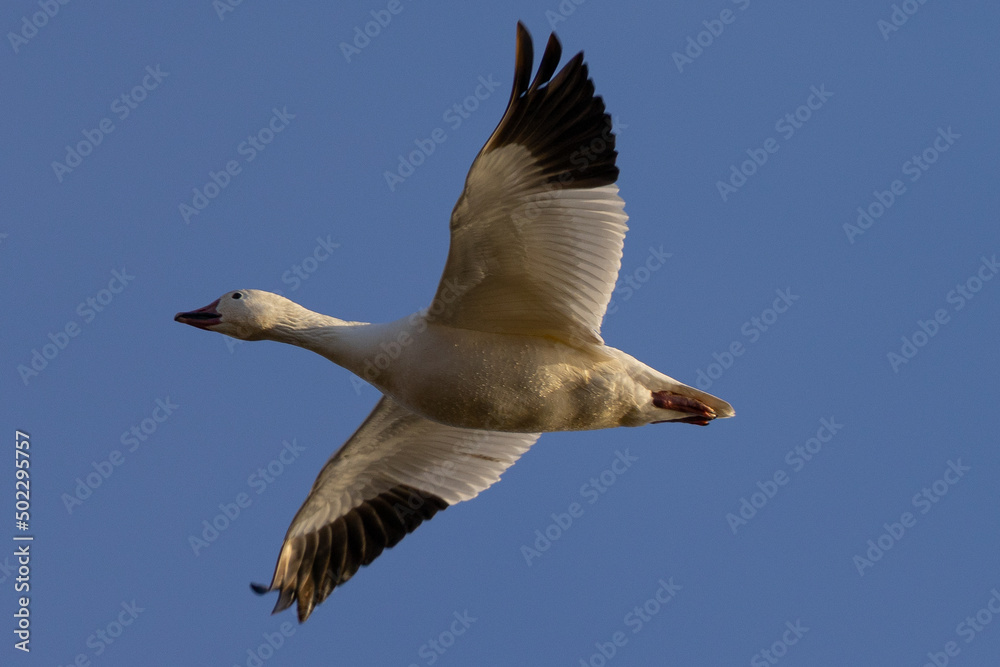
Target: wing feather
537,233
397,471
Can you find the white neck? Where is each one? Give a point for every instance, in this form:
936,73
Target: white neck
346,344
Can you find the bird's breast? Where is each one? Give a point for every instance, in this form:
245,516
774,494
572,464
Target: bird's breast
502,382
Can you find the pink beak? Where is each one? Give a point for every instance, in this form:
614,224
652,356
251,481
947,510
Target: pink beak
203,318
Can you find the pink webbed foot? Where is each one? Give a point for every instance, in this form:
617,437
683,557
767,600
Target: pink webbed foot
700,413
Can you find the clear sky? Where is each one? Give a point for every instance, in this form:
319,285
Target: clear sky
813,206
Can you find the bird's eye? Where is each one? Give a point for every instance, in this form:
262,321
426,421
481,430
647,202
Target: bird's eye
237,295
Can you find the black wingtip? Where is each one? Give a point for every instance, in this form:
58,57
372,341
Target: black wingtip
550,60
558,119
259,589
524,57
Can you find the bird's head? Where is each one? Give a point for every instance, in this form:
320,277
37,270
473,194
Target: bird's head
245,314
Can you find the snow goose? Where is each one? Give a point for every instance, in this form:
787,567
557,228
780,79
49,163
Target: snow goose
509,348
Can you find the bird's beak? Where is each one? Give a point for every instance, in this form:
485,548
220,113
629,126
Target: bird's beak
203,318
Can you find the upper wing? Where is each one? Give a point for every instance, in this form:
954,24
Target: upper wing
397,470
537,233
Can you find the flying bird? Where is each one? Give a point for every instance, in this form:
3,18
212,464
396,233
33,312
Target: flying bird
509,348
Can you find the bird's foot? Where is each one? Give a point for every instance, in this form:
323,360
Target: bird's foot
700,413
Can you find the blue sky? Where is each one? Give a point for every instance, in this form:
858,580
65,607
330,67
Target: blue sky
813,211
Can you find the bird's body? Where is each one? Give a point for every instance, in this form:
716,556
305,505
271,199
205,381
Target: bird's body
570,388
509,348
492,381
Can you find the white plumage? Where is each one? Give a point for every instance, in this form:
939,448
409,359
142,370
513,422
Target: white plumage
509,348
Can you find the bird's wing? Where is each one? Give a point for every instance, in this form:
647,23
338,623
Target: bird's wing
397,470
537,233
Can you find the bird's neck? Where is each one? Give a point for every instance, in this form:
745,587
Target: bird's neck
344,343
